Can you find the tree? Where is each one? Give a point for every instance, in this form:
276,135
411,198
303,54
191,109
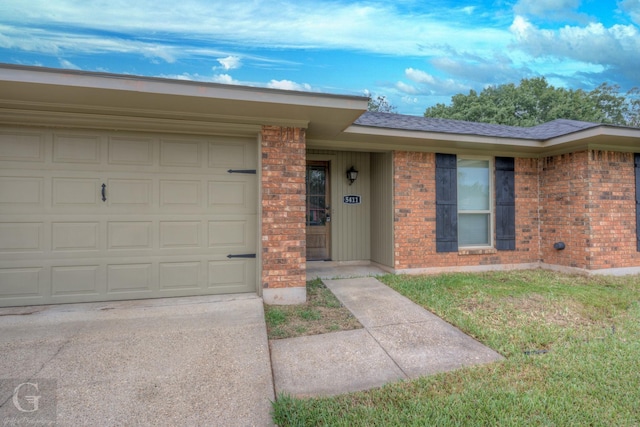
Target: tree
534,102
380,104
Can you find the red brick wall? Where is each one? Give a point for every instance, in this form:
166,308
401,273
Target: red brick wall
611,211
414,215
588,201
283,207
564,184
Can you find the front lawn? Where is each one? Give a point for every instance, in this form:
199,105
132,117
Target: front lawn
573,357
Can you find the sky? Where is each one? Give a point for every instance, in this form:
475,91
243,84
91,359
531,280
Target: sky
416,53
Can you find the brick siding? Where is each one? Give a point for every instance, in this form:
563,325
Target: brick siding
588,202
611,211
585,200
415,224
283,207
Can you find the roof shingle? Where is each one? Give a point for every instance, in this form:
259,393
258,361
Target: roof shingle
427,124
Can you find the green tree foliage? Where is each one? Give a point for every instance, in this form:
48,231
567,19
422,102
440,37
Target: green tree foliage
380,104
535,101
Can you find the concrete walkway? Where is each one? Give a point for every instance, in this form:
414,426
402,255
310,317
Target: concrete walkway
165,362
400,340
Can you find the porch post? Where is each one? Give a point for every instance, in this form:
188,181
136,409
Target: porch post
283,215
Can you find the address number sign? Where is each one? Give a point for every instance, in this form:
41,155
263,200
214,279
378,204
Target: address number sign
351,200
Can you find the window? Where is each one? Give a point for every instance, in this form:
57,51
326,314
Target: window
474,202
469,204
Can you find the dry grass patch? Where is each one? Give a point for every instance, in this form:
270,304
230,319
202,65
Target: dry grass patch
322,313
530,308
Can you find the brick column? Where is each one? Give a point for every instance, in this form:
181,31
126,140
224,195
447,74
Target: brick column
283,215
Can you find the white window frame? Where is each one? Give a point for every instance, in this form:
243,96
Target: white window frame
490,211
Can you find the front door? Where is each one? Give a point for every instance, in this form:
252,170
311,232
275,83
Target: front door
318,211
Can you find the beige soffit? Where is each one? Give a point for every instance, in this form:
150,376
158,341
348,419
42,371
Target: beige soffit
369,138
89,99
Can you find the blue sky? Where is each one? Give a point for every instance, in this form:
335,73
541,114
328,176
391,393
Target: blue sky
416,53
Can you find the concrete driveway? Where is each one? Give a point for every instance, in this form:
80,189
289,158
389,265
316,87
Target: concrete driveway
179,361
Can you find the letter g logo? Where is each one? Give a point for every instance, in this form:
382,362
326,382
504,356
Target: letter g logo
32,400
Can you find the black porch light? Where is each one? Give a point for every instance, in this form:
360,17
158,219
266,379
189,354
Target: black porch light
352,175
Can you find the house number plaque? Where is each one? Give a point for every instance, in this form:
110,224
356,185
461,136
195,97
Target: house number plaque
351,200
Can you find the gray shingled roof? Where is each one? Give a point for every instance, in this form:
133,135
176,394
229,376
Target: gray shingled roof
426,124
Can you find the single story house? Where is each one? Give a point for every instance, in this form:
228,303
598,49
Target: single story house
122,187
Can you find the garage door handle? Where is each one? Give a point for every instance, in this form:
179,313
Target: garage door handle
241,256
104,192
249,171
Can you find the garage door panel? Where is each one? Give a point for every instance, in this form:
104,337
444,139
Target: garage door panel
172,216
22,147
131,151
229,155
20,192
129,235
227,194
180,193
81,192
75,236
180,234
76,149
180,153
75,280
229,234
21,236
180,275
129,278
21,282
136,192
231,276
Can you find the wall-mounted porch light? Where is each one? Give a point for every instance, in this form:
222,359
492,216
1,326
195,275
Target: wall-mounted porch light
352,175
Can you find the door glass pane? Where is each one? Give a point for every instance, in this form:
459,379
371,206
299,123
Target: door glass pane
473,229
316,179
473,184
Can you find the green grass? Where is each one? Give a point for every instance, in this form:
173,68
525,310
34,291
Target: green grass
322,313
589,375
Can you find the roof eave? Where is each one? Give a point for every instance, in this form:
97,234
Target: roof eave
77,92
600,137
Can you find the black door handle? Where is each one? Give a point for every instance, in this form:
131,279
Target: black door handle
242,256
104,192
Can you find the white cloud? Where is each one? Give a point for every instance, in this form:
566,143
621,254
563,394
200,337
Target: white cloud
631,7
231,62
224,79
469,10
68,65
615,47
551,9
288,85
427,84
419,76
371,27
216,78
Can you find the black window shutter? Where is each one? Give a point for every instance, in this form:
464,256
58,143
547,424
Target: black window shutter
446,203
505,204
637,170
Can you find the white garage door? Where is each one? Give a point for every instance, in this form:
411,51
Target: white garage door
96,216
